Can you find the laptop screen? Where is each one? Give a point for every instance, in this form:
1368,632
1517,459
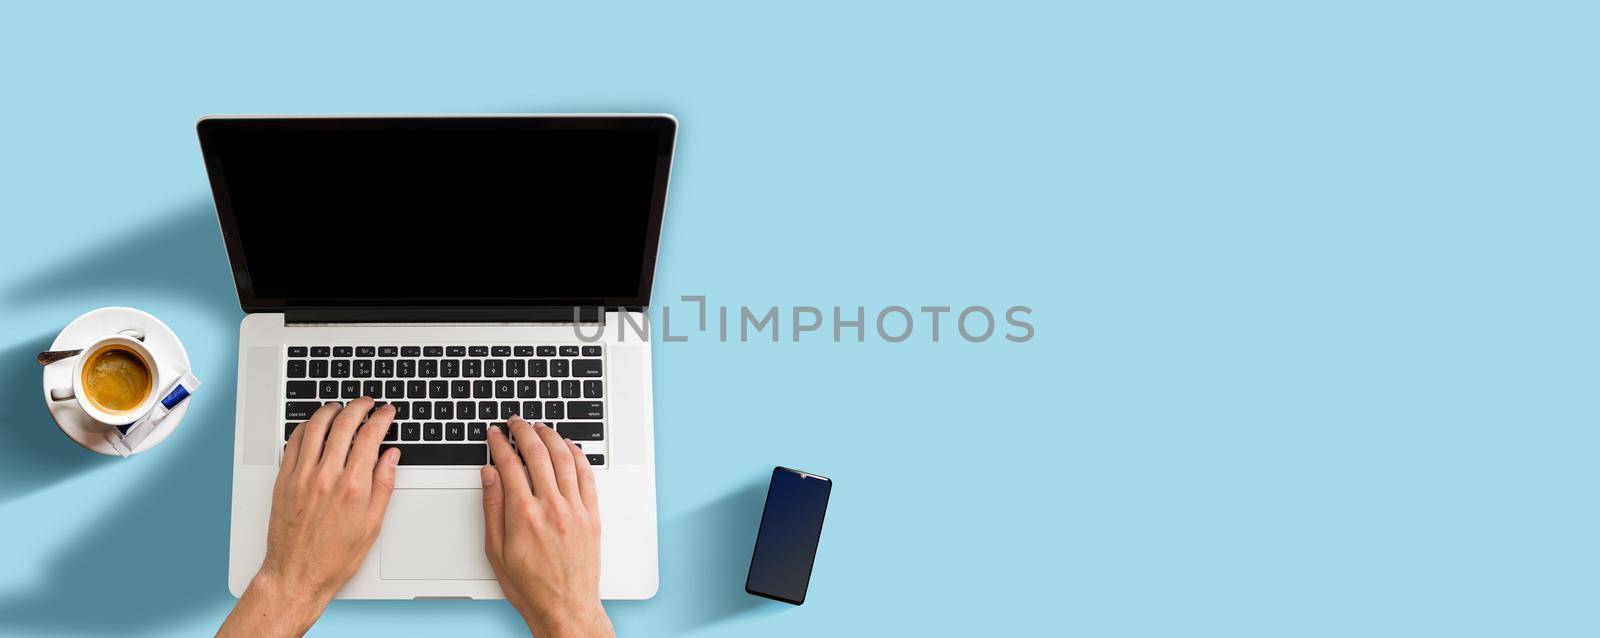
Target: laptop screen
494,211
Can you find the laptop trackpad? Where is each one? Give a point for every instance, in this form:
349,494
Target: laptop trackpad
433,535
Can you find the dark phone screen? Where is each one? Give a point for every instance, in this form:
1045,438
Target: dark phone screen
441,212
791,525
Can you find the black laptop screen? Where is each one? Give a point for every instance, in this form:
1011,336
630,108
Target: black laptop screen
440,211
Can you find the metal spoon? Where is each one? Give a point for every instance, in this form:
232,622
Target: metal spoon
51,356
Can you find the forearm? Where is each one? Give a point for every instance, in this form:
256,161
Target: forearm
272,608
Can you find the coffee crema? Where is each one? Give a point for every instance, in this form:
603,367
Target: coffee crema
116,379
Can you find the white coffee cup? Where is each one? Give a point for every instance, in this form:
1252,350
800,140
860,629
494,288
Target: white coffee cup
75,391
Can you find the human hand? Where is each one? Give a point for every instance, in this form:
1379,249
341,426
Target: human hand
542,531
327,507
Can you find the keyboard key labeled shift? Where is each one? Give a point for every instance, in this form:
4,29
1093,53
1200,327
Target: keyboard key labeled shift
445,454
581,431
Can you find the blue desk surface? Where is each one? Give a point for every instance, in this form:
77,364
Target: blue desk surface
1313,290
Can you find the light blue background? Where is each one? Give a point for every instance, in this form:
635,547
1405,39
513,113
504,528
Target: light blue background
1313,288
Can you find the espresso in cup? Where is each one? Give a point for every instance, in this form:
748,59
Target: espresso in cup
116,380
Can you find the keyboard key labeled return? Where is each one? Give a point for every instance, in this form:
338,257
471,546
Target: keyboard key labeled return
584,410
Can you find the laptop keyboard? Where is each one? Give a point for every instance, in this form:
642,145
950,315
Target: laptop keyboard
447,396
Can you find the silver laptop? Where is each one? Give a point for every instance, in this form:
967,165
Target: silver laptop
462,268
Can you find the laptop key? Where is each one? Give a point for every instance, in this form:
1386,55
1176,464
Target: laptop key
586,368
319,368
300,410
402,409
482,389
405,368
431,432
514,368
471,368
427,368
531,410
465,409
548,389
450,368
527,390
569,351
446,454
383,369
503,389
416,389
581,431
300,390
591,351
366,351
341,368
362,369
388,351
393,434
547,351
592,389
508,408
438,389
537,368
523,351
492,368
584,410
456,351
432,351
558,367
486,410
422,410
478,351
373,389
297,351
596,459
297,369
410,351
410,432
288,429
460,389
501,351
477,431
349,389
555,410
569,389
454,432
394,389
328,389
343,351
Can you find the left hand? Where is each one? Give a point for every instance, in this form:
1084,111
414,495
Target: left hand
327,508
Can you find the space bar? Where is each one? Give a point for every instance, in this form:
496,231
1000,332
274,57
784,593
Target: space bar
440,454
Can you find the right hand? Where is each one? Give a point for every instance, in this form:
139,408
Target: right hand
542,531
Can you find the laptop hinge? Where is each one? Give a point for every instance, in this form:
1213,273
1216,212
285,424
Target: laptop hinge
391,314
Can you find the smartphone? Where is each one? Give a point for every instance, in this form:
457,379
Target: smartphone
786,544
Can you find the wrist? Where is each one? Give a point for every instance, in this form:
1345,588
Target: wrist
298,601
587,622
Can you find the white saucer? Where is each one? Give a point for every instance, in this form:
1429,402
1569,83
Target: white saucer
170,356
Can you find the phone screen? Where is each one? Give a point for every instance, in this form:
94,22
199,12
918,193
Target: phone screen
786,545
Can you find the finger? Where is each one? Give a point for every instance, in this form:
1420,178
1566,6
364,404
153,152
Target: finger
316,429
291,451
561,464
591,498
494,500
344,428
364,451
513,478
382,487
540,474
